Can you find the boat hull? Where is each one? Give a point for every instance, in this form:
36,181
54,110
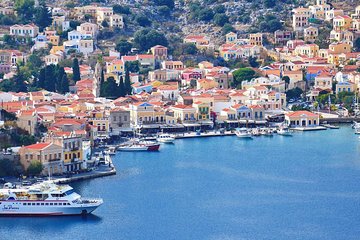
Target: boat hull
151,148
166,140
17,209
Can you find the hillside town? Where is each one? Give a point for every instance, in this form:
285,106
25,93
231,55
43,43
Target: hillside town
68,86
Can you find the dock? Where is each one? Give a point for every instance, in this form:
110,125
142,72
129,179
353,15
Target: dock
201,135
316,128
85,177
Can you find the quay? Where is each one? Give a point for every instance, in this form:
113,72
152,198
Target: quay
102,171
315,128
209,134
86,176
340,120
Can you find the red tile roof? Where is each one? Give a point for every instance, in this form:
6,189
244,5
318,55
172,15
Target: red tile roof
38,146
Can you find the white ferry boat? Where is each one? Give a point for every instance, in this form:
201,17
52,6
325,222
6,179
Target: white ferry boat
45,199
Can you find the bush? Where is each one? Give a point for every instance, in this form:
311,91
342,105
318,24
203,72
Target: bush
35,168
220,19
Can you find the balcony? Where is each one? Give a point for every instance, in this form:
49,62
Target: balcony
54,160
73,149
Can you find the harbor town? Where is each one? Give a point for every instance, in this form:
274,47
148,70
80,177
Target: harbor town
89,89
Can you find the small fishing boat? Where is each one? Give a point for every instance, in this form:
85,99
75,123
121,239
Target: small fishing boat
243,133
267,132
256,132
284,131
165,138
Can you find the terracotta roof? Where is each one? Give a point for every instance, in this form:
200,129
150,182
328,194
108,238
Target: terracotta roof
38,146
300,113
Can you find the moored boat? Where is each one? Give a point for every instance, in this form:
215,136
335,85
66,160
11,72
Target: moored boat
165,138
45,199
284,131
136,146
243,133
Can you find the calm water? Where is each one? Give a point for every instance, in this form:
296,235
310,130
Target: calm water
301,187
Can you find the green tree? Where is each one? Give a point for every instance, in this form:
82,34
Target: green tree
206,14
357,44
64,84
145,39
7,168
43,17
168,3
128,88
189,48
104,23
122,90
35,168
123,47
119,9
227,28
41,80
242,74
253,62
269,3
220,19
132,66
25,10
76,70
50,78
143,21
19,81
287,81
110,89
294,93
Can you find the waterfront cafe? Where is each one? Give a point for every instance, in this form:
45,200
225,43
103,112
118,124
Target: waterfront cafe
302,119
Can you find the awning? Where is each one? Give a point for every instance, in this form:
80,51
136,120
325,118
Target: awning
173,126
126,130
191,124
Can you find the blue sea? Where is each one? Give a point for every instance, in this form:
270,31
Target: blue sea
302,187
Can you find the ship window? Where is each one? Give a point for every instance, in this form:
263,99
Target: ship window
24,204
33,204
46,203
68,204
55,204
42,204
51,204
38,204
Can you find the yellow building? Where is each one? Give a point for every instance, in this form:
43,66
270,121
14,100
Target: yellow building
342,22
256,39
101,121
340,47
145,113
311,34
309,50
206,84
184,113
72,149
55,49
300,18
202,110
116,66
